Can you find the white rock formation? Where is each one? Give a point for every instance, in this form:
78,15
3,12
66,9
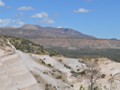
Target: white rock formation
14,75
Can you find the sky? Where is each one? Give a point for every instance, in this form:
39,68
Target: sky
99,18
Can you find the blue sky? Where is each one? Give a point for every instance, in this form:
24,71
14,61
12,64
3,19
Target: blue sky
100,18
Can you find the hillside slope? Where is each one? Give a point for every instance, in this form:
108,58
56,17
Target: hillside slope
78,43
14,75
23,71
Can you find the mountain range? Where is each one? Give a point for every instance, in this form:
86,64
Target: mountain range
59,37
35,31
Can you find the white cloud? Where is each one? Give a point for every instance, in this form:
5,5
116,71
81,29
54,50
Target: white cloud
19,22
82,10
62,27
48,21
40,15
25,8
10,22
59,27
4,22
2,3
44,17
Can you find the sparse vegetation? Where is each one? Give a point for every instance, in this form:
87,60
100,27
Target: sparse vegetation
50,87
103,76
113,54
67,66
93,75
59,77
26,45
43,62
60,60
81,88
49,65
80,73
29,47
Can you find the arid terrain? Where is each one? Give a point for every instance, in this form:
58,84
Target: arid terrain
59,45
27,71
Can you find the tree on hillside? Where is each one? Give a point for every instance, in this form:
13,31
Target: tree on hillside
93,74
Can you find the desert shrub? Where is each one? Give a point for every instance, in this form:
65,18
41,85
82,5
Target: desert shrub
59,77
67,66
103,76
60,60
49,65
43,62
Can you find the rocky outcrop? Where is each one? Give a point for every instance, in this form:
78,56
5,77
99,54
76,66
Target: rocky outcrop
14,75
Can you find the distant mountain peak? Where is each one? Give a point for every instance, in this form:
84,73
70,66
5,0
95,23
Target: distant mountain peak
113,39
30,26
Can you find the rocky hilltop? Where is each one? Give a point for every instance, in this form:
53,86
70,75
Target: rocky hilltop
27,71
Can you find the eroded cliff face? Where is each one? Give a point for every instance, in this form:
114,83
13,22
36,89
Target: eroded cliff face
23,71
14,75
20,71
78,43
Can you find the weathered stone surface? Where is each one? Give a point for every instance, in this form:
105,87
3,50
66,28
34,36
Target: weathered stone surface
14,75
